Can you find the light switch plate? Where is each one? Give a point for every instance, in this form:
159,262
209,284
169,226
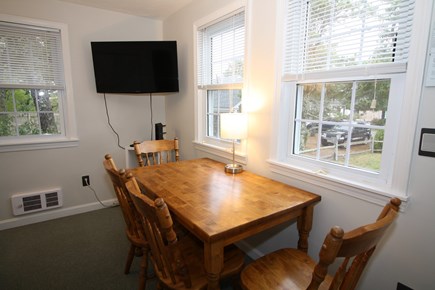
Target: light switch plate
427,142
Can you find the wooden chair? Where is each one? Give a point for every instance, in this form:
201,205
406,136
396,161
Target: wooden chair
138,243
178,260
294,269
156,151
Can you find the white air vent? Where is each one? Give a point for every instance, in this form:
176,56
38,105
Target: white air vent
36,201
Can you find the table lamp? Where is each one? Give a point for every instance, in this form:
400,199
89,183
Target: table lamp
233,126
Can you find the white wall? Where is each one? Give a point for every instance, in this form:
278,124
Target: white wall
406,253
28,171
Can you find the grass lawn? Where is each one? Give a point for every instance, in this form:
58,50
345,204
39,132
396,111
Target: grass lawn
367,160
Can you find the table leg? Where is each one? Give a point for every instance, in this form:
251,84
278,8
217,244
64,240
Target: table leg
305,223
214,262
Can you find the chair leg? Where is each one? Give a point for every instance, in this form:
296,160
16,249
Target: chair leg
160,285
143,273
129,259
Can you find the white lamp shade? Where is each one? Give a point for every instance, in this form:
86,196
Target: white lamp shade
234,126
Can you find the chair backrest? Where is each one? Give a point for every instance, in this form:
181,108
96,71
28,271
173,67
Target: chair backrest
156,151
157,222
356,247
131,217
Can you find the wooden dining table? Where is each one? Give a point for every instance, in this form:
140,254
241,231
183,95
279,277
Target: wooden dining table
222,208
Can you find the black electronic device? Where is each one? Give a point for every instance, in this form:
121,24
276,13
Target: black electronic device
159,131
135,66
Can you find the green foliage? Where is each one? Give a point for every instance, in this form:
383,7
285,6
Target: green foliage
35,110
6,125
29,127
379,136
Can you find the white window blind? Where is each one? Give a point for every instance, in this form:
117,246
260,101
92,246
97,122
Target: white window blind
30,57
221,47
335,35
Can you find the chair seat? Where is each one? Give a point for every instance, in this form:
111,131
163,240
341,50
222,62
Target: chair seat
283,269
193,255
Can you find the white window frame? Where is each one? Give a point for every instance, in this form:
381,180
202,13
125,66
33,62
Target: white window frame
392,183
216,146
66,107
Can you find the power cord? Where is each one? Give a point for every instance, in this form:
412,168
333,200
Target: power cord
96,196
108,121
151,113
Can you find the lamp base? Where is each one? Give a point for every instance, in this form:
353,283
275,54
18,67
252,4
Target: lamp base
233,168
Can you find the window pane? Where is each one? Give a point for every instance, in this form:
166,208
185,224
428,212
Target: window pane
362,154
25,100
311,101
371,101
48,100
50,123
224,101
28,124
307,145
337,102
212,102
6,100
218,102
352,122
213,126
7,125
334,143
33,111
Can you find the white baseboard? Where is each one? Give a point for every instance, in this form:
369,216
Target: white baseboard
53,214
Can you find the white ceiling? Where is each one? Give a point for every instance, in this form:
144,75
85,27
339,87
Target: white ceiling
157,9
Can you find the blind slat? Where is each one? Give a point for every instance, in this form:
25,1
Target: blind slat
30,56
221,47
325,35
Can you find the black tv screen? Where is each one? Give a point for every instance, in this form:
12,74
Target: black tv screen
135,66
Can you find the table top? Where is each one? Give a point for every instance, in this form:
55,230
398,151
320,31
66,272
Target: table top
216,205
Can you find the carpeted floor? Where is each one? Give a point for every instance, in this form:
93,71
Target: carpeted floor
86,251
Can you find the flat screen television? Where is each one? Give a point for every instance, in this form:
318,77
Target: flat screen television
135,66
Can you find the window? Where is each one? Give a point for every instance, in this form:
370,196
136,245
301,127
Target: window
220,65
342,122
343,90
33,88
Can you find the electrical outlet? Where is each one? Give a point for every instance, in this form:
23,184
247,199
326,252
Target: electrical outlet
85,180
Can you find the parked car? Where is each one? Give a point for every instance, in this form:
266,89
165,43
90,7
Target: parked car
313,128
340,131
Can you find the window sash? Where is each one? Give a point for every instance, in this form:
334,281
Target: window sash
310,25
353,102
30,57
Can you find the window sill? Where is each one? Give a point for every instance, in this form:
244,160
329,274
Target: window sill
346,187
37,144
220,152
